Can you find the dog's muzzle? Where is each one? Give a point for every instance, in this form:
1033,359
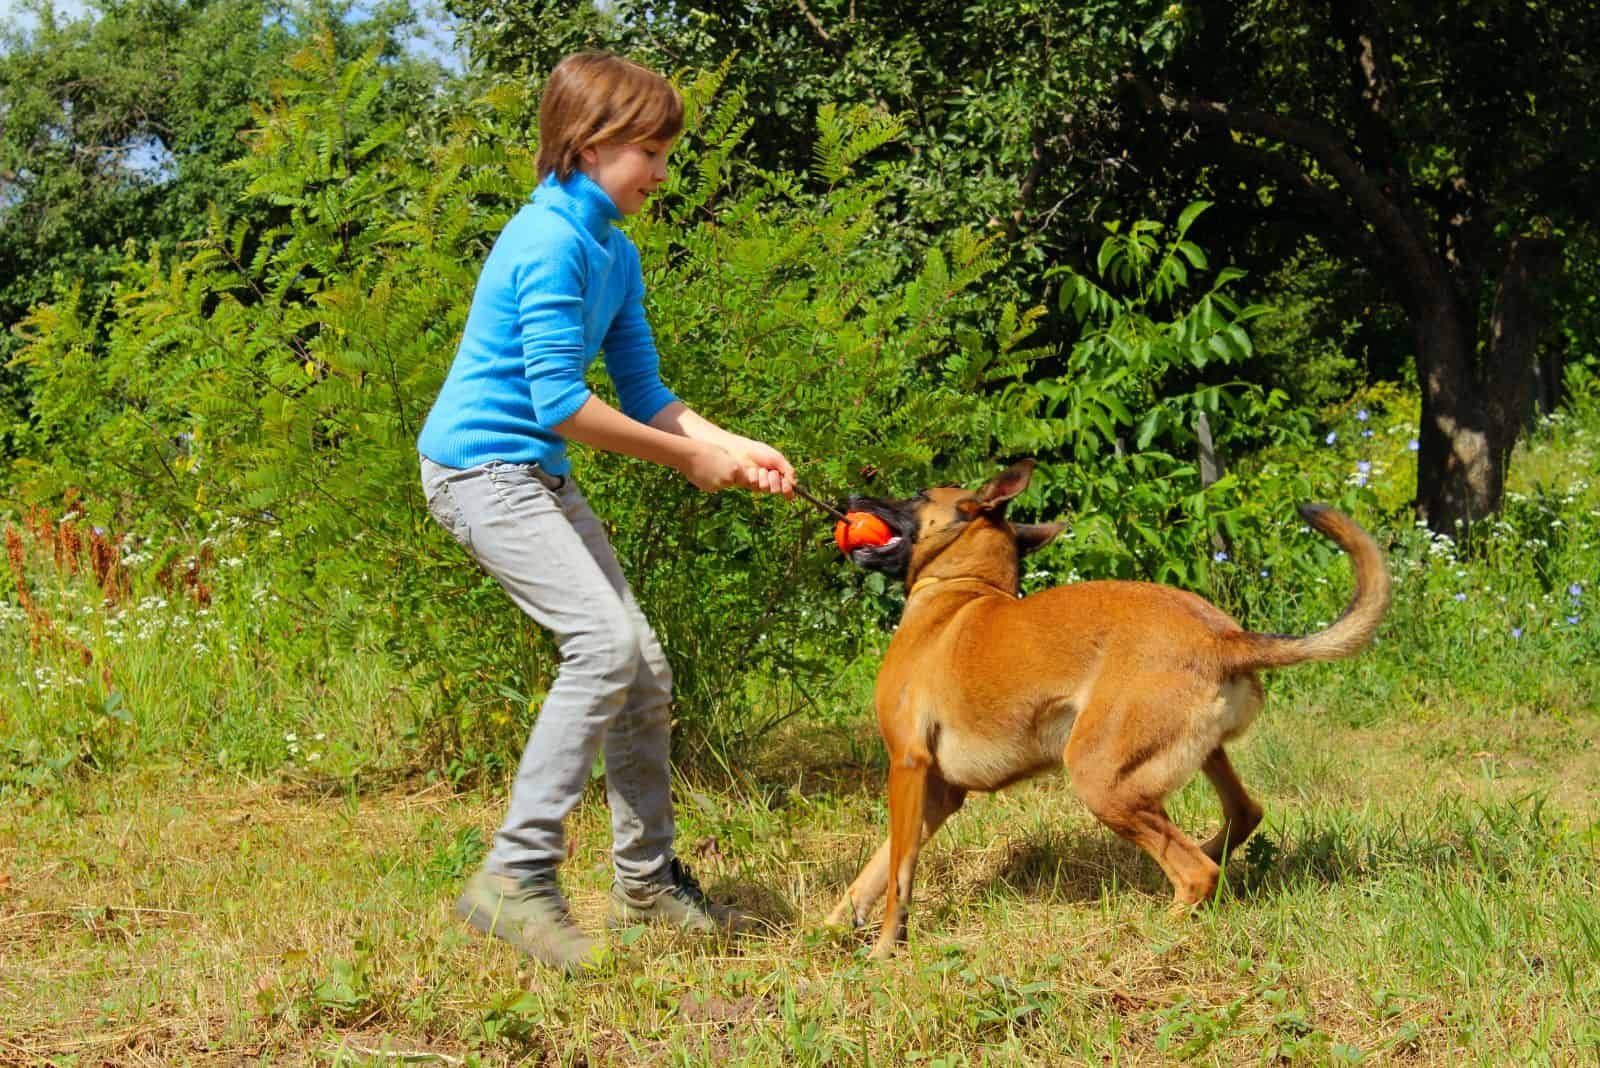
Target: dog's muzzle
893,557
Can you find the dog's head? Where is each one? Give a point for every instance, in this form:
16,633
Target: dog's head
924,527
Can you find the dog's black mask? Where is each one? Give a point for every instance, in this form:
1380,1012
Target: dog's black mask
894,557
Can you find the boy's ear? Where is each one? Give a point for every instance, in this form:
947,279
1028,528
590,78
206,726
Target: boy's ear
1031,536
1006,485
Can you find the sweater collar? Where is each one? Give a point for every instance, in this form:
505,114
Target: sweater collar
581,198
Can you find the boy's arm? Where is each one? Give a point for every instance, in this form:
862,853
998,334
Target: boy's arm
761,466
702,462
631,360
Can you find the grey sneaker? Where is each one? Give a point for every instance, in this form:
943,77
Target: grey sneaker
678,901
531,914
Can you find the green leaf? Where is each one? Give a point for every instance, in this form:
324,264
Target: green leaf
1192,253
1189,215
1149,426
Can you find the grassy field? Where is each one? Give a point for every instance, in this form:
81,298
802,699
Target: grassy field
1425,892
233,862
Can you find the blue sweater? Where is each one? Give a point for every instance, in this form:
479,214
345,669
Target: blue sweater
560,284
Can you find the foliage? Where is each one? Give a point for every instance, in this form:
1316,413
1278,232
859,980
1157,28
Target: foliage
1148,365
277,377
269,380
119,126
1365,146
999,99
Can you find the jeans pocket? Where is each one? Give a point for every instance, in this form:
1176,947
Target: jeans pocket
444,509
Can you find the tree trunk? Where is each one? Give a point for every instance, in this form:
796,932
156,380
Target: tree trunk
1460,479
1472,408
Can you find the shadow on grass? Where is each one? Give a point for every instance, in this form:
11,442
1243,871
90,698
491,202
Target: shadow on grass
1075,866
1509,840
813,761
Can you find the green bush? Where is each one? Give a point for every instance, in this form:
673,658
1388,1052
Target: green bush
265,389
276,378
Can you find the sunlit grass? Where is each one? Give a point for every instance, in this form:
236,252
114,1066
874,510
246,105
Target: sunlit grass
222,838
1407,900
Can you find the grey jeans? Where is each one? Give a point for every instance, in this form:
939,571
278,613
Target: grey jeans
540,540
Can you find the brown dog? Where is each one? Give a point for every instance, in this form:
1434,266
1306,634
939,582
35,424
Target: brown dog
1132,685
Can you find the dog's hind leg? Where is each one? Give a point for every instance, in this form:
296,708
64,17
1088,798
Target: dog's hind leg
1135,812
1193,874
1240,813
941,801
864,892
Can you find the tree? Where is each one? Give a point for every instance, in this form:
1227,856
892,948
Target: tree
1447,150
120,126
993,94
1442,152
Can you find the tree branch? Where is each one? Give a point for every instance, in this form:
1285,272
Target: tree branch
1339,219
1027,190
1409,256
836,47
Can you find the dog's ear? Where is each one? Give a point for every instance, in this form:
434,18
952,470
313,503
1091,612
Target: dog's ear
1006,485
1031,536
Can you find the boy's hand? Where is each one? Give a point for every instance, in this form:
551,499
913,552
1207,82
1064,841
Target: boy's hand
711,468
762,468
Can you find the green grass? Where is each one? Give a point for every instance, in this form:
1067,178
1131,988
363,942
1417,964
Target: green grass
1407,902
241,852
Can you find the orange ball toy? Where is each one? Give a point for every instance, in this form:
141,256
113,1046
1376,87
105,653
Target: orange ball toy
857,529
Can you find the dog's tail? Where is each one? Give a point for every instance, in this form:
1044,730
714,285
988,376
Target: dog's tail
1351,632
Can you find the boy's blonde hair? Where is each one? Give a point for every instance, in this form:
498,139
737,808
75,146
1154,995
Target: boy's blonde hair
594,97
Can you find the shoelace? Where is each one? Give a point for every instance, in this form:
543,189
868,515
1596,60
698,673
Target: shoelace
686,888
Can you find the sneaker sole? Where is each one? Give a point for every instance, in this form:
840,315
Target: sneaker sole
620,916
484,923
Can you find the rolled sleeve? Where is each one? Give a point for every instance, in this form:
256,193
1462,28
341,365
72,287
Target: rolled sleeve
549,291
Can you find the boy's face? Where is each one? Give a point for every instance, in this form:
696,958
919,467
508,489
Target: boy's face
628,173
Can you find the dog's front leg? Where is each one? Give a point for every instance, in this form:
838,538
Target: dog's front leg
908,793
940,803
868,887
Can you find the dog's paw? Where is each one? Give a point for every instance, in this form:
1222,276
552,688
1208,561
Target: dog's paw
845,917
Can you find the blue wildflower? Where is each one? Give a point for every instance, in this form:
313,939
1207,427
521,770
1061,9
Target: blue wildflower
1363,466
1362,415
1573,619
1575,590
1412,445
1220,557
1461,597
1367,433
1516,632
